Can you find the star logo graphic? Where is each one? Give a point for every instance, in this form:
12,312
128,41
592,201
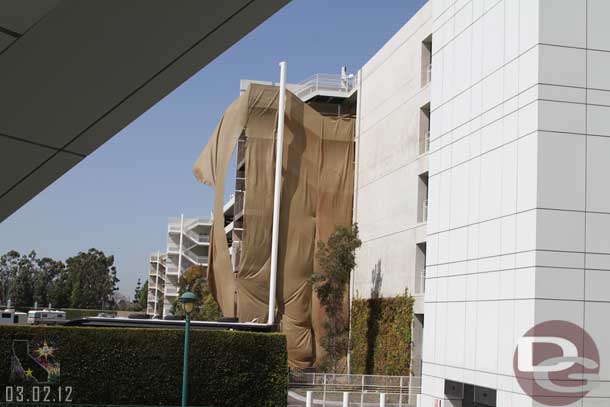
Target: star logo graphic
45,351
28,373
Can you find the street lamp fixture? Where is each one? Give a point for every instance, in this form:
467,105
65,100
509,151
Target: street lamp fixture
188,300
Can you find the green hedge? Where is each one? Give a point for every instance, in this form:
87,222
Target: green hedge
144,366
381,335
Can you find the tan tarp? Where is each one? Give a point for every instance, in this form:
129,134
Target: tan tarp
317,191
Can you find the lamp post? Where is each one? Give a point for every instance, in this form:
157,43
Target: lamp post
187,299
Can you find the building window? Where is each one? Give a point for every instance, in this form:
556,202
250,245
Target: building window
420,268
426,61
422,198
424,129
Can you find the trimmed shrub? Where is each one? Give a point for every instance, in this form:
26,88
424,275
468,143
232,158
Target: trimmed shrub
381,335
144,366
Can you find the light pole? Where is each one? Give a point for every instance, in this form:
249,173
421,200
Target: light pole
187,300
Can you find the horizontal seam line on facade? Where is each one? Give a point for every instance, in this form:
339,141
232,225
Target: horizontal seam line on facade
574,47
397,47
516,299
419,225
486,125
480,222
519,252
434,108
408,100
490,373
480,81
582,267
413,161
473,22
495,107
42,145
130,94
433,174
476,273
517,213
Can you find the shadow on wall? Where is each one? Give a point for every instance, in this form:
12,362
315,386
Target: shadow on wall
373,318
376,280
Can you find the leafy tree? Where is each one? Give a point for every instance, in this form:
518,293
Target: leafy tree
22,285
85,281
142,297
17,277
9,265
121,301
93,278
59,293
337,259
47,271
136,292
206,309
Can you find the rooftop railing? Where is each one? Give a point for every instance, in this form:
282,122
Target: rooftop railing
322,82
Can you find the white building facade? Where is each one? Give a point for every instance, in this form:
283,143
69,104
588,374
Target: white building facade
509,203
390,199
156,284
518,202
188,241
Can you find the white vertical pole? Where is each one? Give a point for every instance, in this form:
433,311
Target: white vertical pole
277,192
309,400
400,397
345,399
324,390
156,286
180,245
354,210
381,399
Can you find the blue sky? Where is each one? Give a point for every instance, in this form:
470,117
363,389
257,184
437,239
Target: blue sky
119,198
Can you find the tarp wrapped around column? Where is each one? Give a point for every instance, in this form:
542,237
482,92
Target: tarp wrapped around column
317,192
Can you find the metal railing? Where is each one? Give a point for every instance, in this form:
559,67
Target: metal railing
171,268
325,82
427,75
173,224
424,143
424,211
199,238
420,281
240,184
328,388
171,291
196,258
240,198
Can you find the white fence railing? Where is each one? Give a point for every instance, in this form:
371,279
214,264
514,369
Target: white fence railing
325,82
328,388
171,291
